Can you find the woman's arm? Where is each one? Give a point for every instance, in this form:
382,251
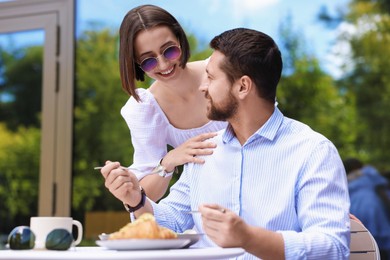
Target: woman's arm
149,135
155,186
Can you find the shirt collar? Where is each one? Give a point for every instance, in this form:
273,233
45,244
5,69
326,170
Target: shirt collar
268,130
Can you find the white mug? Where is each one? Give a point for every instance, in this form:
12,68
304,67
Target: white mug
42,226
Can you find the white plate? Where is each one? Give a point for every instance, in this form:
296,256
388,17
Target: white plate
192,237
143,244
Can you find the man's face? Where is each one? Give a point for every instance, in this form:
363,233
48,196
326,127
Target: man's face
218,90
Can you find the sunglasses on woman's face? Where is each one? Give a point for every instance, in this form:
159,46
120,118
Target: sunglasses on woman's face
170,53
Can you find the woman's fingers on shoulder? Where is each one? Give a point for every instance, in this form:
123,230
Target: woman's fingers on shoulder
196,160
202,145
208,145
205,136
203,150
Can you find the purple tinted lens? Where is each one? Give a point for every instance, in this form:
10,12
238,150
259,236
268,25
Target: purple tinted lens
172,52
149,64
169,53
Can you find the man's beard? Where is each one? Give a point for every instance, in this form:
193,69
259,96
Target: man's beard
223,111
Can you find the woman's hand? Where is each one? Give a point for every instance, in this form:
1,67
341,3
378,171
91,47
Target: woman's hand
188,151
122,183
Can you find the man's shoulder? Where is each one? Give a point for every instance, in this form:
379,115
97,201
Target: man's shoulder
299,131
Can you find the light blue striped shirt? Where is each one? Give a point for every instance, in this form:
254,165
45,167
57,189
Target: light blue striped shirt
286,178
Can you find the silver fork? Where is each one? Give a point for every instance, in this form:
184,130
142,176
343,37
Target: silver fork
155,170
122,167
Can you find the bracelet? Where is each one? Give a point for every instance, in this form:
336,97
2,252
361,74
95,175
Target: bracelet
140,204
160,170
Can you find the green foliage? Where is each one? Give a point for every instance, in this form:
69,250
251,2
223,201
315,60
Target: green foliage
100,133
308,94
19,172
368,82
20,106
25,104
196,53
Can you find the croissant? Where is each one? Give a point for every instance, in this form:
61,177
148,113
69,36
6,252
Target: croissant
145,227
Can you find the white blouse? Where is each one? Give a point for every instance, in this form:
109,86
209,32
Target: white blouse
151,132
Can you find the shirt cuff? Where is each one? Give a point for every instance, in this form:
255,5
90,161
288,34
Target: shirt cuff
294,247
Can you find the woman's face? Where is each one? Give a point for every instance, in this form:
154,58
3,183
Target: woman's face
160,43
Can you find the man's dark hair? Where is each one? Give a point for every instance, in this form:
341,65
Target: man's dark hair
252,53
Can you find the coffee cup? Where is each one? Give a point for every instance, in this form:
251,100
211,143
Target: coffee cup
42,226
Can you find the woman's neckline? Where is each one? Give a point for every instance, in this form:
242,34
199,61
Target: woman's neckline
156,104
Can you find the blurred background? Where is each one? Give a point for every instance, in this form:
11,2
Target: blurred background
336,79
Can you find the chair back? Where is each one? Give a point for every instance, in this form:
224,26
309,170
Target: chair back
363,245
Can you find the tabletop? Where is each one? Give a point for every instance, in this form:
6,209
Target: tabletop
97,253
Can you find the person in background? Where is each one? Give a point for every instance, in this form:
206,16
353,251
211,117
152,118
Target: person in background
171,111
272,186
386,193
367,191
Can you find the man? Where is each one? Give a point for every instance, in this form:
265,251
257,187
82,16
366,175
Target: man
272,186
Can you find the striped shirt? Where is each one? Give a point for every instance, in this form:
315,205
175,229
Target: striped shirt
286,178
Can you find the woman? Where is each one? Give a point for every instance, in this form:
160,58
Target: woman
172,111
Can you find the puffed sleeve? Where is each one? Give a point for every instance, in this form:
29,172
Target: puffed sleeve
148,130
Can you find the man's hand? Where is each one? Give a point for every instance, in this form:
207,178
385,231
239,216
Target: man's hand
223,226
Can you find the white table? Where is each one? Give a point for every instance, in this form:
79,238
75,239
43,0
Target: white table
96,253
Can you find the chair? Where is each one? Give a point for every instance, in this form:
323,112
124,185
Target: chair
363,245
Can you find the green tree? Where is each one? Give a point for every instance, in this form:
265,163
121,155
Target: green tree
100,133
21,105
19,165
198,52
310,95
367,79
